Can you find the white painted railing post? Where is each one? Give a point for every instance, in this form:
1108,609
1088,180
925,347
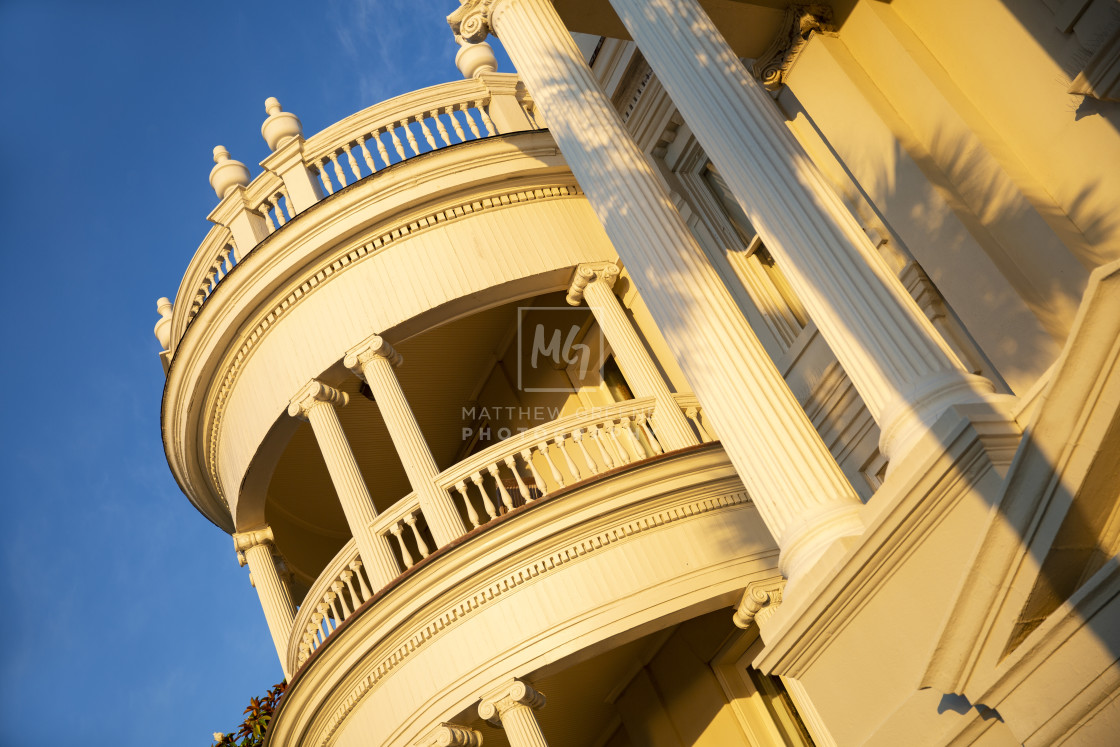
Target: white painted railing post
594,282
284,134
506,108
316,403
255,549
905,372
795,484
373,359
229,179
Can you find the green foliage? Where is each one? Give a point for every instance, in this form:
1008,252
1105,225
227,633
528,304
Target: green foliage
257,716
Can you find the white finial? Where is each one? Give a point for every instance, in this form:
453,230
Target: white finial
475,59
227,173
281,126
163,326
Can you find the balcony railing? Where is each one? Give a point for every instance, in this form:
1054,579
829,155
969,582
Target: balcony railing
360,145
525,467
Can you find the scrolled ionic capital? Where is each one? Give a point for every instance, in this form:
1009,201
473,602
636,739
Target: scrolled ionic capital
601,272
760,600
471,20
510,695
450,735
372,347
315,393
243,541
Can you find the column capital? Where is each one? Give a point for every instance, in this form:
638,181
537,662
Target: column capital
604,272
374,346
243,541
760,600
450,735
509,695
313,394
471,20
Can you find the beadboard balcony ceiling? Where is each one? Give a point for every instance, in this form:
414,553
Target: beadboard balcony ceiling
748,26
441,370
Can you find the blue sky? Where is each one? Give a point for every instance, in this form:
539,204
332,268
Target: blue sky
127,619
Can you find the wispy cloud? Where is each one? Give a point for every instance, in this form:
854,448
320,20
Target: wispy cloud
381,38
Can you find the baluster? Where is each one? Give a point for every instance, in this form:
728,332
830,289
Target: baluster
381,150
411,137
506,500
317,623
366,154
632,440
396,142
280,219
542,449
440,128
304,650
332,600
265,212
529,115
455,124
338,170
421,545
620,449
577,436
311,638
323,608
644,424
470,120
326,177
353,162
356,566
287,205
521,488
347,578
486,120
491,510
338,588
461,487
396,529
427,133
693,414
597,435
572,468
527,455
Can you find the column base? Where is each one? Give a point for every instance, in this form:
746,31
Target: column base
913,413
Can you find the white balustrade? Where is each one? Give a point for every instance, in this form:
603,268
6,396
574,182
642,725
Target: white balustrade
347,151
512,473
339,591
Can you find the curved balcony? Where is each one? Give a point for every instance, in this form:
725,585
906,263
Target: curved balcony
301,172
534,464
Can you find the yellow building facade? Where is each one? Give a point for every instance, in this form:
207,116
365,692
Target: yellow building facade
733,373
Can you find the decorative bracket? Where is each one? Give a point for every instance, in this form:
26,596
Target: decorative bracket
797,26
760,600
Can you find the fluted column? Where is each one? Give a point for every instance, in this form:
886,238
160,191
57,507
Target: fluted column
898,362
316,403
255,549
794,482
450,735
594,282
374,359
511,706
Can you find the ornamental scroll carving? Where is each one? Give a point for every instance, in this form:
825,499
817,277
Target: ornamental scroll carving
799,23
471,20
